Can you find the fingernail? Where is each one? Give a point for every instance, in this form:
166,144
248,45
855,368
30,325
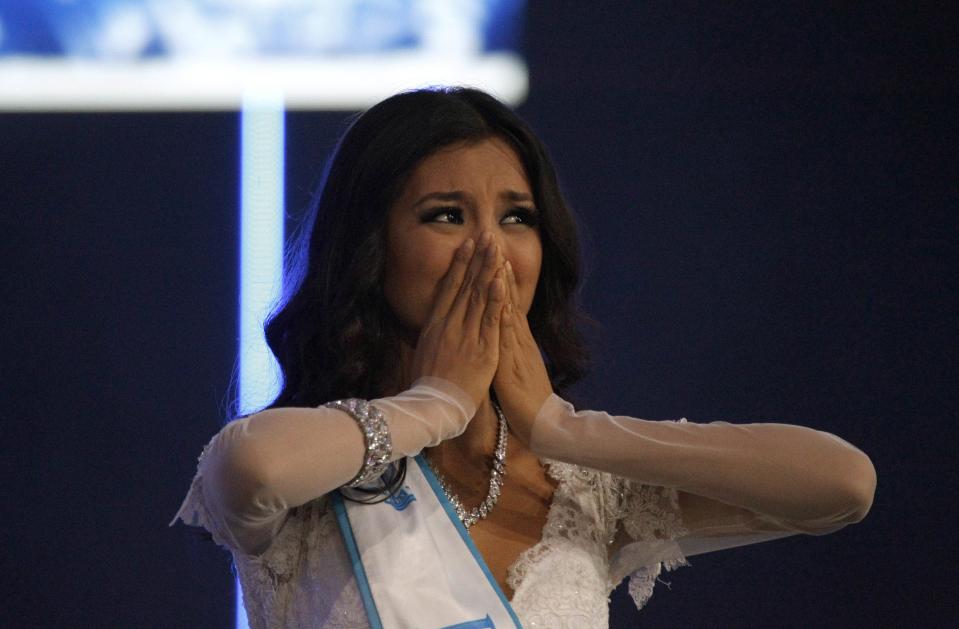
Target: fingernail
467,246
509,268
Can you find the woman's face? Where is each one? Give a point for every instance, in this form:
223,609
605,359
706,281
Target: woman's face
457,193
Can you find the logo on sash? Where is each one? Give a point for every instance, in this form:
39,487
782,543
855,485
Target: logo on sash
401,499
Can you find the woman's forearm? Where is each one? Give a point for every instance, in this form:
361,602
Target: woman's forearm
799,478
262,465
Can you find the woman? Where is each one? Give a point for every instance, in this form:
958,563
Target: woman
436,291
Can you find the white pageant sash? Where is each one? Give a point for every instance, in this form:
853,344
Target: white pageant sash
415,564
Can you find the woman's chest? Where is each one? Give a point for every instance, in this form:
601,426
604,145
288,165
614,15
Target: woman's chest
516,523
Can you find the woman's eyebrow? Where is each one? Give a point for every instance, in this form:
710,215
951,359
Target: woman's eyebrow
454,195
458,195
514,196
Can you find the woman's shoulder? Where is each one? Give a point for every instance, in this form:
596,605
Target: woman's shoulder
585,494
639,507
580,477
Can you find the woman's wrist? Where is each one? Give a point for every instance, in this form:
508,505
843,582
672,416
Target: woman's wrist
432,410
544,435
448,391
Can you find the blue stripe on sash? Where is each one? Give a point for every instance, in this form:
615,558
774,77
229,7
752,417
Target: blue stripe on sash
482,623
441,496
362,583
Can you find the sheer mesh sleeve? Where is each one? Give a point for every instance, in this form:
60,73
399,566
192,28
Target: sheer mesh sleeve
788,478
259,467
689,488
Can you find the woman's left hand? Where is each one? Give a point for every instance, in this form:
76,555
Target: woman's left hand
521,382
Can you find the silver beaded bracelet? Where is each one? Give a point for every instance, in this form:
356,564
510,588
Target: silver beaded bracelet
376,436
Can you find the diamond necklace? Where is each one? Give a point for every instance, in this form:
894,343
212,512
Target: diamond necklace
471,516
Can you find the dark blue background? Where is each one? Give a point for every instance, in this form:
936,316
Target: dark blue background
768,197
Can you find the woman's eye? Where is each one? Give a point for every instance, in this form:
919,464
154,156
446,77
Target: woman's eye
454,216
445,215
522,216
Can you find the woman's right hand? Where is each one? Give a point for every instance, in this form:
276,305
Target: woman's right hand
460,340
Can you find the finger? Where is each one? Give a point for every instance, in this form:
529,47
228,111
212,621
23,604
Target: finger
493,312
513,289
480,293
508,342
508,313
518,319
492,263
450,284
461,300
511,283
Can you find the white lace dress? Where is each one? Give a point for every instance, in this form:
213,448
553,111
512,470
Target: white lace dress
600,528
262,482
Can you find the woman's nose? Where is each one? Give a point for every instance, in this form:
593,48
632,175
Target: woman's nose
481,233
494,239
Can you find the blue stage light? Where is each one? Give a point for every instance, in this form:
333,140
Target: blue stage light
261,253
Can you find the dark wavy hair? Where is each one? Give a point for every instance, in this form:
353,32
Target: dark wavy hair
334,334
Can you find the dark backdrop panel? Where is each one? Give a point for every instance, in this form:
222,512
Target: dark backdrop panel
768,201
120,284
770,196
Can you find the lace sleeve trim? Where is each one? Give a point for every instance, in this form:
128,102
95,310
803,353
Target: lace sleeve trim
194,511
651,519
